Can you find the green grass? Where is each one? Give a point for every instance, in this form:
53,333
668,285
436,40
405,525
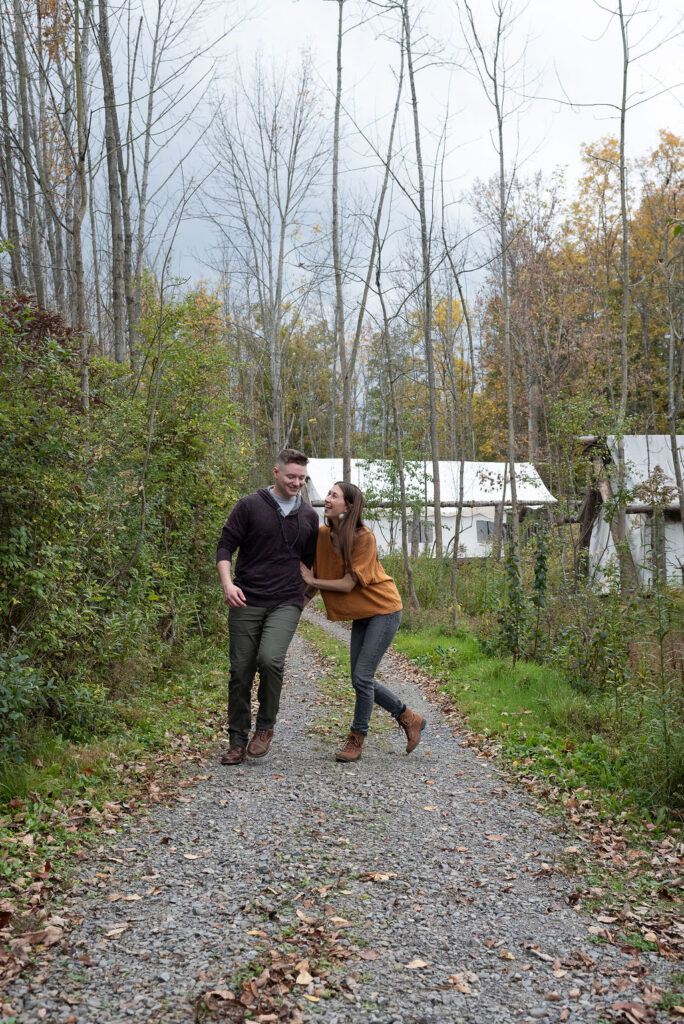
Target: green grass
521,701
540,721
675,997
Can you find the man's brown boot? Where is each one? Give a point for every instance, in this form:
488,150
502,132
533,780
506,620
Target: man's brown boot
412,724
260,742
233,755
351,751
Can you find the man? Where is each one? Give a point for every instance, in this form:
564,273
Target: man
274,530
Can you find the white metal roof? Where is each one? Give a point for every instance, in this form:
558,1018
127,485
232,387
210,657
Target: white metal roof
482,481
645,452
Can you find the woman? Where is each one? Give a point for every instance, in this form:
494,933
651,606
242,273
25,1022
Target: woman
355,586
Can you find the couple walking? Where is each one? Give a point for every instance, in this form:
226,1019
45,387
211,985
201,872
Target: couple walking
283,559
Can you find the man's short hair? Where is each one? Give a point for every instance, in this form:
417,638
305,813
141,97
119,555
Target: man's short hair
291,455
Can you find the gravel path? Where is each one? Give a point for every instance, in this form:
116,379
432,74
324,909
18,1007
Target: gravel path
399,890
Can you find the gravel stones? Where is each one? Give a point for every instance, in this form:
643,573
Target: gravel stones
415,887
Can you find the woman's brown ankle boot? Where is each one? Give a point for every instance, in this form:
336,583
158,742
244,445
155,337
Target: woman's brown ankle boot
412,724
351,751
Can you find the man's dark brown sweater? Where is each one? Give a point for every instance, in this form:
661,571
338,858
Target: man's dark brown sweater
271,547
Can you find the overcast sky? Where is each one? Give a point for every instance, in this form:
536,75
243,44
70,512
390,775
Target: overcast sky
572,51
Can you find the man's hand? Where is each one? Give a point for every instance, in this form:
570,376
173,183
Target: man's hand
234,596
307,574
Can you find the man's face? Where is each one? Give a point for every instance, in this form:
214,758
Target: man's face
288,481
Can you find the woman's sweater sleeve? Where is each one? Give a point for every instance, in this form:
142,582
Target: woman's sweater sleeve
364,558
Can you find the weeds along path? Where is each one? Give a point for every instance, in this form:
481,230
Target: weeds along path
399,889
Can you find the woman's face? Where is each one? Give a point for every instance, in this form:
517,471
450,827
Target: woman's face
335,505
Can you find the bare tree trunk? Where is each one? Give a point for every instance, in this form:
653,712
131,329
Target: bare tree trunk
23,87
471,354
143,184
112,147
427,286
508,352
340,341
7,168
675,384
96,262
80,203
493,77
123,164
621,517
408,568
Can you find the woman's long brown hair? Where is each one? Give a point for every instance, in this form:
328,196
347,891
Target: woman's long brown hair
346,530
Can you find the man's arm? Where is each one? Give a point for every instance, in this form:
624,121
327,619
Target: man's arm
233,595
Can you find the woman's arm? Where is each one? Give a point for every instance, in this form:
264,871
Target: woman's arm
343,586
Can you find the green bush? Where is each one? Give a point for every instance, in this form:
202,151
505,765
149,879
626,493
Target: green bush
108,524
23,695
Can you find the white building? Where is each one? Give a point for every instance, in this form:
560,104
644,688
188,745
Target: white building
655,535
485,486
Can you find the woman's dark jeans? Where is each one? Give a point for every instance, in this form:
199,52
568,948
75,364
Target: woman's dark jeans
370,638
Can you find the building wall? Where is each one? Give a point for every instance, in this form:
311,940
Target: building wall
603,556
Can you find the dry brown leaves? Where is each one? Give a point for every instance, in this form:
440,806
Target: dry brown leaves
288,981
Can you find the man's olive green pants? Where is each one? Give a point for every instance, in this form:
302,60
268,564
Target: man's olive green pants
259,639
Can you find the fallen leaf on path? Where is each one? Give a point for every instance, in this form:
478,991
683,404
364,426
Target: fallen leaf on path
113,897
493,838
635,1013
341,922
460,984
463,980
429,808
45,937
564,1014
304,978
537,952
132,897
416,964
305,917
505,954
377,876
652,995
193,856
7,909
114,933
220,993
369,954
